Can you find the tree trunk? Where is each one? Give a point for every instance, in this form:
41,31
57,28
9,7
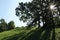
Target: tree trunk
39,23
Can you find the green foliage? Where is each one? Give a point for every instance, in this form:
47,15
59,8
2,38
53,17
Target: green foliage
38,11
4,26
11,25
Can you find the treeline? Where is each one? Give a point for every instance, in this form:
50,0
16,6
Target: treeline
4,26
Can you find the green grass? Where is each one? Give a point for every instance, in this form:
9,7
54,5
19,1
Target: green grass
11,33
57,30
31,34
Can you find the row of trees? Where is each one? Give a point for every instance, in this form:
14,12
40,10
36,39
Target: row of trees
4,26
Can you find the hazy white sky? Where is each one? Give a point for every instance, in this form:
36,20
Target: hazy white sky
7,11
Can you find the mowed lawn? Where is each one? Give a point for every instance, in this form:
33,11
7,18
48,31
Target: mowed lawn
31,34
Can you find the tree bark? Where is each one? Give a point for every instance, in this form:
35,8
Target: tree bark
39,23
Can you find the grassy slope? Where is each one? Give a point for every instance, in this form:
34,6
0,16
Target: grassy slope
33,34
5,34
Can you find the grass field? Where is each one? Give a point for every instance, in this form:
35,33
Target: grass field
31,34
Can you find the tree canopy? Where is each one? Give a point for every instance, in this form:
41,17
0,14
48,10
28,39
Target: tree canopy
37,11
4,26
11,25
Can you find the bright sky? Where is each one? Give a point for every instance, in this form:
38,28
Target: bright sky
7,11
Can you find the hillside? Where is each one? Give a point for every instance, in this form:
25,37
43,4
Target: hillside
31,34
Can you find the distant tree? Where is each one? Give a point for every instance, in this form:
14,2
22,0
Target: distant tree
38,10
11,25
2,20
3,25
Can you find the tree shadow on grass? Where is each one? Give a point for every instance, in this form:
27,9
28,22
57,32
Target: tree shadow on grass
37,34
42,34
13,37
47,34
18,36
34,36
53,34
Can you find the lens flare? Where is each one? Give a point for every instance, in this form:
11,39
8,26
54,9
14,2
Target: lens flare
52,7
